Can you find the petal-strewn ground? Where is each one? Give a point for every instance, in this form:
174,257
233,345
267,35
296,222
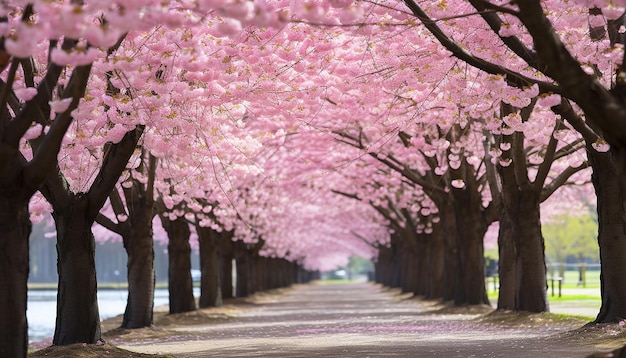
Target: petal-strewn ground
361,320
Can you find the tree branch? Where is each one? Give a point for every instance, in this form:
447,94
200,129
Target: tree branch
546,164
108,224
114,162
600,106
512,42
565,110
46,152
512,77
116,202
560,180
38,109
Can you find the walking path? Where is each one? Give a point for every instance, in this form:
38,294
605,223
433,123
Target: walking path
361,320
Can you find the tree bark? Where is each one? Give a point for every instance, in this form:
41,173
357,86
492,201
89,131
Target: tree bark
506,264
446,236
210,285
530,265
394,272
248,266
78,318
226,265
611,236
436,261
242,261
470,232
139,246
180,285
407,270
423,269
384,266
15,228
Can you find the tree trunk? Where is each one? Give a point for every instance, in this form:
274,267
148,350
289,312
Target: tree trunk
15,228
226,265
530,265
254,272
243,271
384,265
470,233
406,271
394,273
436,259
210,286
78,318
267,277
611,237
179,252
139,247
523,214
521,223
226,278
506,264
447,237
423,270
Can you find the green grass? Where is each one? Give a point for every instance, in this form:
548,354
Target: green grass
570,279
569,282
337,280
566,297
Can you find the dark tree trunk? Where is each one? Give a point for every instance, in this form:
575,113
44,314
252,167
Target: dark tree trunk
530,265
266,278
139,247
471,264
407,275
506,264
394,273
436,260
226,265
15,228
78,318
286,273
19,180
422,267
254,274
226,272
384,265
180,284
248,267
447,236
470,233
408,243
521,227
611,237
210,286
242,261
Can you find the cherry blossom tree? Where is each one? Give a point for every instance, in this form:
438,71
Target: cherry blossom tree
28,100
55,43
559,61
134,212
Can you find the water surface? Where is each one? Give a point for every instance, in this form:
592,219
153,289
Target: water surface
41,312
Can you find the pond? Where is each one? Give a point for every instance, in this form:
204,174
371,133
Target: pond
41,312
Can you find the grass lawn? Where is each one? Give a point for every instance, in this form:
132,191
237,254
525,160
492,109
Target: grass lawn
571,289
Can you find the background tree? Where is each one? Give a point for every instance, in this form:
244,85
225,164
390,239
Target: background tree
570,237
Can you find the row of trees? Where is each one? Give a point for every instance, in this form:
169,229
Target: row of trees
306,131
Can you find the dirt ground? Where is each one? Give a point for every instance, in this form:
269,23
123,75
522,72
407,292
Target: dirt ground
350,320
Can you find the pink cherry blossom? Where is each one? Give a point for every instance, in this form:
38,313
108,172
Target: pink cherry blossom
61,105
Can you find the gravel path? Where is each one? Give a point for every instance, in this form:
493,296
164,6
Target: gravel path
363,320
